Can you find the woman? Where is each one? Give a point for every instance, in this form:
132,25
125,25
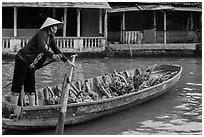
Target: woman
32,55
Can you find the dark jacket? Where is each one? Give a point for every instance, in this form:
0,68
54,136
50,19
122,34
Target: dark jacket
39,44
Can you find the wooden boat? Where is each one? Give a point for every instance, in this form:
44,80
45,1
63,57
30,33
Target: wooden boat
147,84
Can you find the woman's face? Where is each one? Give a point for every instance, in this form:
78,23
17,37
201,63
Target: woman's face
54,29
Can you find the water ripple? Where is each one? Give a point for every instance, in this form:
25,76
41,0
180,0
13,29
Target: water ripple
179,112
194,84
175,126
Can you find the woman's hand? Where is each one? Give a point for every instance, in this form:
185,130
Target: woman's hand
57,56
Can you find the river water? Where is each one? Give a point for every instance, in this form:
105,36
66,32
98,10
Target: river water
179,112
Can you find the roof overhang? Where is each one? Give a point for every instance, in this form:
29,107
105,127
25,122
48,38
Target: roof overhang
123,9
154,8
196,9
98,5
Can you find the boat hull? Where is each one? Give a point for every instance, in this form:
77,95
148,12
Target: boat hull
39,117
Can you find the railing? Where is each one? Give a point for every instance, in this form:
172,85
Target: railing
151,36
138,37
179,36
132,37
66,44
5,43
24,41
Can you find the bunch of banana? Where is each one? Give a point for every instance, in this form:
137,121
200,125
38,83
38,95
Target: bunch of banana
145,79
129,88
91,93
168,75
122,84
83,97
50,97
117,84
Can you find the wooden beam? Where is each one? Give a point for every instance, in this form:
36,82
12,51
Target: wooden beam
15,22
65,22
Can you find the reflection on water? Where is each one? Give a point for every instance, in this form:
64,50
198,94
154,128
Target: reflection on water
177,126
185,118
177,112
7,72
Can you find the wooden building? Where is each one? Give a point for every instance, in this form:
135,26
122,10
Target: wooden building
83,22
130,25
148,23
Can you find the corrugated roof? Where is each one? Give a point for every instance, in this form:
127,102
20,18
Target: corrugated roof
155,7
124,9
99,5
188,9
143,7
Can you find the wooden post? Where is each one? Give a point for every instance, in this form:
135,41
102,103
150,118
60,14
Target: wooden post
123,28
100,21
155,24
54,13
191,17
123,23
78,22
65,22
105,24
164,27
64,99
15,22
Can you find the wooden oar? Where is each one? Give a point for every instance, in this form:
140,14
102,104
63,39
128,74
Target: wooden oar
64,98
48,62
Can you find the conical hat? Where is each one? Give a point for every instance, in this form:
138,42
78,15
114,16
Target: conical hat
49,22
